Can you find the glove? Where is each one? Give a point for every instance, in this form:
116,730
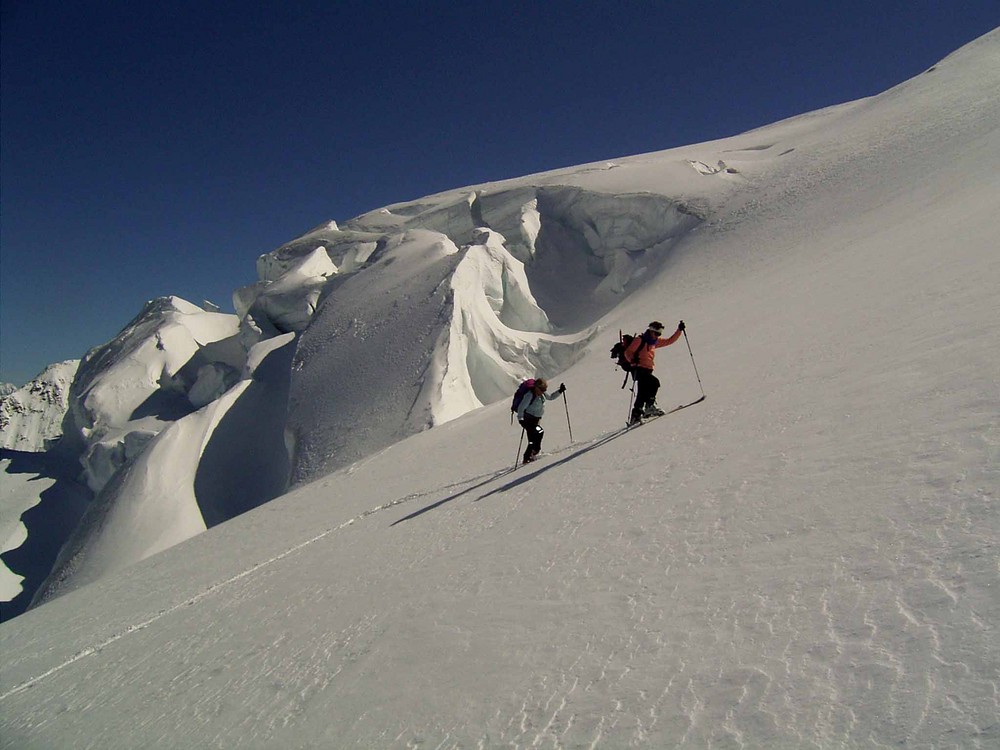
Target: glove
680,326
562,387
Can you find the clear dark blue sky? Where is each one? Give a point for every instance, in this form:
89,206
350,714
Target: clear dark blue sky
153,148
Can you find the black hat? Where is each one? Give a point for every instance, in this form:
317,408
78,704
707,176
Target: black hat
656,326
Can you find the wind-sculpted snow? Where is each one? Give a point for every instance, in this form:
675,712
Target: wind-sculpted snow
601,245
498,334
172,359
289,301
202,469
608,245
422,335
129,389
583,250
292,279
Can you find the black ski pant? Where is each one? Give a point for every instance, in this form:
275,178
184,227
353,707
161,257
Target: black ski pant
647,384
535,433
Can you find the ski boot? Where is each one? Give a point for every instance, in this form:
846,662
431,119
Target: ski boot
652,410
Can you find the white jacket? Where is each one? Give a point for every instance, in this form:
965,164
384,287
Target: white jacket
533,405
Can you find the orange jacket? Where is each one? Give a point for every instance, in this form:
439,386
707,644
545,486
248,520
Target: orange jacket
641,352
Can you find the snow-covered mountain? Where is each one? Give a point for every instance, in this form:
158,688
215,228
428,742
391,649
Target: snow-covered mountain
807,558
33,414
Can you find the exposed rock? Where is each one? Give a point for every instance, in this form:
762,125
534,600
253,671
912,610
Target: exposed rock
31,416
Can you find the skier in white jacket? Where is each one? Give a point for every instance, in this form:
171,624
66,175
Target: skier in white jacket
529,415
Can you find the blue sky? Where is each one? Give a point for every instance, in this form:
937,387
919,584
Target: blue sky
154,148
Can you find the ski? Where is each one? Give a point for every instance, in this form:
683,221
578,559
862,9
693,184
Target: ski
647,420
685,406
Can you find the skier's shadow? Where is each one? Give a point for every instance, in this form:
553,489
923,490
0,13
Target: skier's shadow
503,472
576,454
491,478
518,482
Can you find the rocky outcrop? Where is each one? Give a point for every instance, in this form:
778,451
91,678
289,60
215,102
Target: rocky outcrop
31,417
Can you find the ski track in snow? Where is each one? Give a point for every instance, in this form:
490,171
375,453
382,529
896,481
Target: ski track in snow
605,682
482,478
812,567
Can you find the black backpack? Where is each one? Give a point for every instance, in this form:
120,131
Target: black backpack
618,351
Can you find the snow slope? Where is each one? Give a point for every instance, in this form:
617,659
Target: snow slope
40,504
807,559
30,422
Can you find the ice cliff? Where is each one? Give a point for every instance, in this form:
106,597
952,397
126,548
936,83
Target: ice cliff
354,336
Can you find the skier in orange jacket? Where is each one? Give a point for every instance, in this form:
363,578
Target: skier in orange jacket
640,354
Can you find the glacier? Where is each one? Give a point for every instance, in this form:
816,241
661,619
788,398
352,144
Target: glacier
808,558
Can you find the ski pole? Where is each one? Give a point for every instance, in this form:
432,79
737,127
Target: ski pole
566,404
693,362
621,356
631,396
518,456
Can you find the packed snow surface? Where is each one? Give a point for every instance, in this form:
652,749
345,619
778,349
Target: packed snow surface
807,558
